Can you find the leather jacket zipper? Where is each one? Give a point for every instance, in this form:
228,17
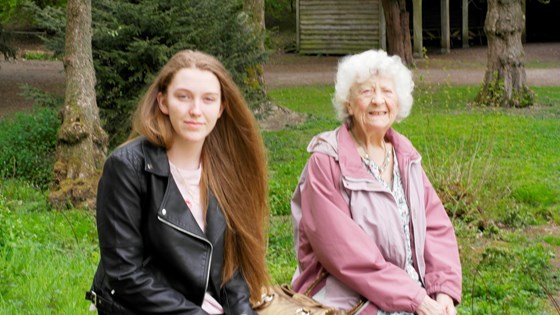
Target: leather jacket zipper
197,237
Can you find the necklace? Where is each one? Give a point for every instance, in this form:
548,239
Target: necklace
386,159
365,156
190,197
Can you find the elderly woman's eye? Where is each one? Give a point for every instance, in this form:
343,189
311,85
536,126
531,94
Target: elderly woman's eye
366,92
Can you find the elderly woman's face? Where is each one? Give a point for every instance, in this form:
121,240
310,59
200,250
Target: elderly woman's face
374,105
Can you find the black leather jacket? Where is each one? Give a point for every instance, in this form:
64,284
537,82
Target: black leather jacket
154,256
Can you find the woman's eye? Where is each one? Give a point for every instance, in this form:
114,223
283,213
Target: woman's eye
367,92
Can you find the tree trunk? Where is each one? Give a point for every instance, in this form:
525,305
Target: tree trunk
398,30
6,45
81,142
255,10
505,79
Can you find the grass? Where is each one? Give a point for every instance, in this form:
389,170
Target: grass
453,138
47,258
38,55
497,171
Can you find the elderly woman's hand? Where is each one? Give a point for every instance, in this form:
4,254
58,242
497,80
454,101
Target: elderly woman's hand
431,307
447,303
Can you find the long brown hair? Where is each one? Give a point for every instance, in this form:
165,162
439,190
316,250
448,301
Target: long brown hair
233,165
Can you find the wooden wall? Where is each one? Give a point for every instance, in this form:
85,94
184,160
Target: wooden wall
338,27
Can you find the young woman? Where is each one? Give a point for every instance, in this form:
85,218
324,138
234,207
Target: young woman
181,207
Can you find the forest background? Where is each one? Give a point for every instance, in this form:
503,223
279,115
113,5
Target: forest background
496,170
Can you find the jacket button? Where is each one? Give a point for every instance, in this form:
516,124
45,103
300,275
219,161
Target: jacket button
149,166
163,211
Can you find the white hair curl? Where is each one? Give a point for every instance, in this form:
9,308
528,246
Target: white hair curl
358,68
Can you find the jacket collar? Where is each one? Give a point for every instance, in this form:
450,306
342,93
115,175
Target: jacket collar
156,158
157,163
349,158
179,214
403,146
338,144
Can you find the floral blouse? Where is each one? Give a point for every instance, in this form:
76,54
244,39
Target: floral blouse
396,189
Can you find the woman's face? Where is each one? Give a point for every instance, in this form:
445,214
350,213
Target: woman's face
374,105
193,103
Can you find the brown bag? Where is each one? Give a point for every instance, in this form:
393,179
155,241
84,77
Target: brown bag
283,300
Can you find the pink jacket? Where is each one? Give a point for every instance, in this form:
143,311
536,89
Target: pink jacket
347,224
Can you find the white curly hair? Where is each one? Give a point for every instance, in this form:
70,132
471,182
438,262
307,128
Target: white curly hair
358,68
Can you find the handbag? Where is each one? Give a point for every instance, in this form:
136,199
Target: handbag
283,300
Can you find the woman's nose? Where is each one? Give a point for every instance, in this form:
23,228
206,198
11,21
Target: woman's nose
194,108
377,97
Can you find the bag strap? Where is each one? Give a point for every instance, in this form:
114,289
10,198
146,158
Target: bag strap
315,282
321,277
356,307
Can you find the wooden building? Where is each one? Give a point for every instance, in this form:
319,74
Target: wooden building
350,26
339,27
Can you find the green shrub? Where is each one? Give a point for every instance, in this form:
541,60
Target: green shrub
52,20
13,12
38,55
28,142
41,98
128,56
132,40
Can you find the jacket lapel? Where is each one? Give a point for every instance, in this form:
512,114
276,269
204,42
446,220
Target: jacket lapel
179,214
177,211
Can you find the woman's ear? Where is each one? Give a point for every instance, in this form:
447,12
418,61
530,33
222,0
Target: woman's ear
162,103
221,109
349,108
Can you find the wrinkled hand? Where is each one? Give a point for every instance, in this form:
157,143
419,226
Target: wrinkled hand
447,303
431,307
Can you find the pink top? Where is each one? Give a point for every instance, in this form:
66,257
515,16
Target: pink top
188,183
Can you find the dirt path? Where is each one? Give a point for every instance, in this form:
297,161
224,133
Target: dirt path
45,75
461,66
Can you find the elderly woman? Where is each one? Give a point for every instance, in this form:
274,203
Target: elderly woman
370,230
